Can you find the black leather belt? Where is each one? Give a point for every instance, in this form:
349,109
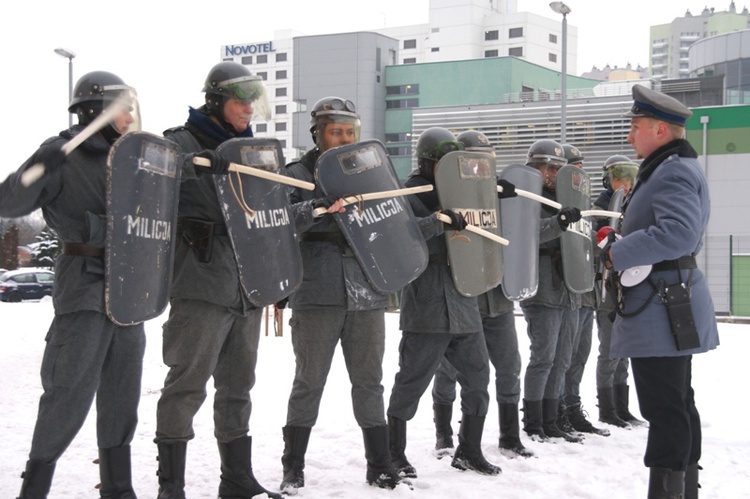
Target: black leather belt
79,249
218,230
682,263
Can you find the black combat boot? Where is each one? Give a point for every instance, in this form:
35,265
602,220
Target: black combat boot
664,483
114,471
622,396
510,439
237,479
172,470
469,454
37,479
691,481
443,431
296,439
550,408
576,416
607,410
380,470
397,442
532,420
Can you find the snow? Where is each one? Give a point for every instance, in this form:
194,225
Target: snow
609,467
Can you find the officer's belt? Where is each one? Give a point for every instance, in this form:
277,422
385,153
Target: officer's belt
682,263
80,249
218,229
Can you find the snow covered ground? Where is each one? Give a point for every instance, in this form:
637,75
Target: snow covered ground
608,467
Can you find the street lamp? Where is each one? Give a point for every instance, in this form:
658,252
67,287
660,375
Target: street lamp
69,54
563,9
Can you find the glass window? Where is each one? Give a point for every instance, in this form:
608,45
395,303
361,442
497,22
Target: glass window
247,60
552,38
262,59
491,53
410,60
281,75
435,49
516,51
552,57
281,127
515,32
281,92
281,109
261,127
491,35
410,44
263,75
281,57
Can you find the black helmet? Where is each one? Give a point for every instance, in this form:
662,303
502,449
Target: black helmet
546,152
618,166
436,142
230,80
333,110
572,154
95,91
475,141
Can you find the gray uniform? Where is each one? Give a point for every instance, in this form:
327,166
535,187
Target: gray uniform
437,322
86,355
212,329
551,316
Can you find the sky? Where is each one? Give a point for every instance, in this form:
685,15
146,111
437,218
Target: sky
165,48
610,467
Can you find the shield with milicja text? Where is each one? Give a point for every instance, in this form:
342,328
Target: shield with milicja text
382,233
259,221
466,183
577,242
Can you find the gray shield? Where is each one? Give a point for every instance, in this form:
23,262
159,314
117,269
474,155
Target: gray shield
259,221
142,185
576,244
466,182
615,204
520,224
383,234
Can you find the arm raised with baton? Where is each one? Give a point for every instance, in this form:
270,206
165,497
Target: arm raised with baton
375,195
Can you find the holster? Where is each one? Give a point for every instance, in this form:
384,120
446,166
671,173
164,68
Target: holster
680,312
198,234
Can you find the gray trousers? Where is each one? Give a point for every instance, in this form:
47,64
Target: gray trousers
502,347
315,334
609,372
88,355
551,332
581,351
201,340
419,357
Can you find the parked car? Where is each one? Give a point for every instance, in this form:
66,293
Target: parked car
26,284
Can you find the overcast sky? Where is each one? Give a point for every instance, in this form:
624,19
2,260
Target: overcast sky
165,48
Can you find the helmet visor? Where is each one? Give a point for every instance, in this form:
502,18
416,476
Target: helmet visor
251,90
626,171
441,149
126,113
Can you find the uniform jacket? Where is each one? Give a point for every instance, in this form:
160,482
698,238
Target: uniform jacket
73,202
431,303
551,291
665,219
218,280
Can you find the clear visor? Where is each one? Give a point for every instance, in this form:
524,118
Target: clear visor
126,110
342,120
442,148
549,161
251,90
623,171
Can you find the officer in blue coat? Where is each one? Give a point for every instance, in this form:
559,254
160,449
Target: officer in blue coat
665,319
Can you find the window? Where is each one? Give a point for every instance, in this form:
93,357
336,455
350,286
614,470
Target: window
552,57
281,92
261,127
262,59
263,75
410,44
516,51
491,53
281,127
247,60
410,60
398,137
435,49
281,75
399,151
281,57
552,38
402,104
281,109
515,32
402,89
491,35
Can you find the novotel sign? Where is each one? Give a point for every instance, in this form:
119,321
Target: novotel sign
256,48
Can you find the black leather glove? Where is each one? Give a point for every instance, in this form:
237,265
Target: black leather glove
281,305
509,190
567,216
325,202
51,156
458,222
604,256
219,164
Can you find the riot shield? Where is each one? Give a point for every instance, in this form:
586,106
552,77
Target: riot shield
383,234
142,185
615,204
576,244
520,221
259,221
466,182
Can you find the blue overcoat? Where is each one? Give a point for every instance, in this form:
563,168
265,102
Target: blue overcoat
665,219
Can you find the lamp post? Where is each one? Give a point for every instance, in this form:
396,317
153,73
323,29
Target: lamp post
563,9
69,54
